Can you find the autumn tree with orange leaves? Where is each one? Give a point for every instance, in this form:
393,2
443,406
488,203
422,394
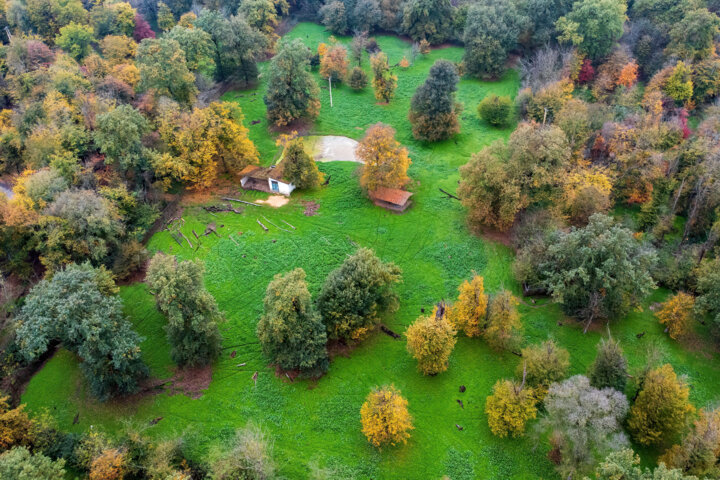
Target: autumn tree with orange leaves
203,143
385,417
334,63
467,315
385,160
677,314
109,465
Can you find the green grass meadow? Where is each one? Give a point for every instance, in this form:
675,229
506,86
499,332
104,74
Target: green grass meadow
318,422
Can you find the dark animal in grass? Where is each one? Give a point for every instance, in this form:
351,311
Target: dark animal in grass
462,388
254,377
458,427
640,335
461,403
422,310
232,355
76,419
154,421
254,122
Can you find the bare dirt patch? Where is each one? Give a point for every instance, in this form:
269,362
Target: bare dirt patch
191,382
275,201
311,209
333,148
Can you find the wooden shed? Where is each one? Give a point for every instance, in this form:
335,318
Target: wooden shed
392,199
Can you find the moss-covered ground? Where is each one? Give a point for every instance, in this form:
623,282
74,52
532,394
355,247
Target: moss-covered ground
319,422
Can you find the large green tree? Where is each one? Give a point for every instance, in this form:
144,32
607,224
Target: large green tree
290,331
78,307
491,31
237,45
119,134
433,112
198,47
429,20
356,293
20,464
163,68
292,93
694,36
596,272
191,311
593,26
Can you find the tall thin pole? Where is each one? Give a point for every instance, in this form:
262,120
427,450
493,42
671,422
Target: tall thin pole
330,83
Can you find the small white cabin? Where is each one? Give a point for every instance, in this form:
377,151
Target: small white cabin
265,179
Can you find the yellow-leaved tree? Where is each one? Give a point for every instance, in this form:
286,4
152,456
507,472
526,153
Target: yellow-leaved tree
677,314
430,340
202,143
661,409
468,313
509,408
385,417
109,465
385,160
503,327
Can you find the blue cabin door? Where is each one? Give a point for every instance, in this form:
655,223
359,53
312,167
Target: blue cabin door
274,185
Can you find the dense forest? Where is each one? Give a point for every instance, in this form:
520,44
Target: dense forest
592,133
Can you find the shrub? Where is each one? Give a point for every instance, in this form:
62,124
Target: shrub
509,408
385,417
109,465
16,427
357,79
250,457
430,340
355,293
495,110
544,363
290,331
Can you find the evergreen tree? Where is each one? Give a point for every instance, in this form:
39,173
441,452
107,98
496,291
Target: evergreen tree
292,93
433,112
298,167
355,293
609,370
357,80
290,331
429,20
190,309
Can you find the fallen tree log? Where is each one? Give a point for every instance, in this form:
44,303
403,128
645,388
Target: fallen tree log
261,224
271,223
241,201
450,195
186,239
286,223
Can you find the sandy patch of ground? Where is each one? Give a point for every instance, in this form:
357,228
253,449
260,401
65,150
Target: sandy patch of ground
332,148
275,201
191,382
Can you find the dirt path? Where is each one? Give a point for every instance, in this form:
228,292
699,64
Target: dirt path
275,201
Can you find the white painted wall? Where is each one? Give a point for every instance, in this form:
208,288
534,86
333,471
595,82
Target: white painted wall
282,187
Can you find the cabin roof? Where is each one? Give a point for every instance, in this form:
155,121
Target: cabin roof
391,195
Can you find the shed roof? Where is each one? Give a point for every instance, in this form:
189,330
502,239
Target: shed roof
391,195
263,173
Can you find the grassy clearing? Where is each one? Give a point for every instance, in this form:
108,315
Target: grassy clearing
319,421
